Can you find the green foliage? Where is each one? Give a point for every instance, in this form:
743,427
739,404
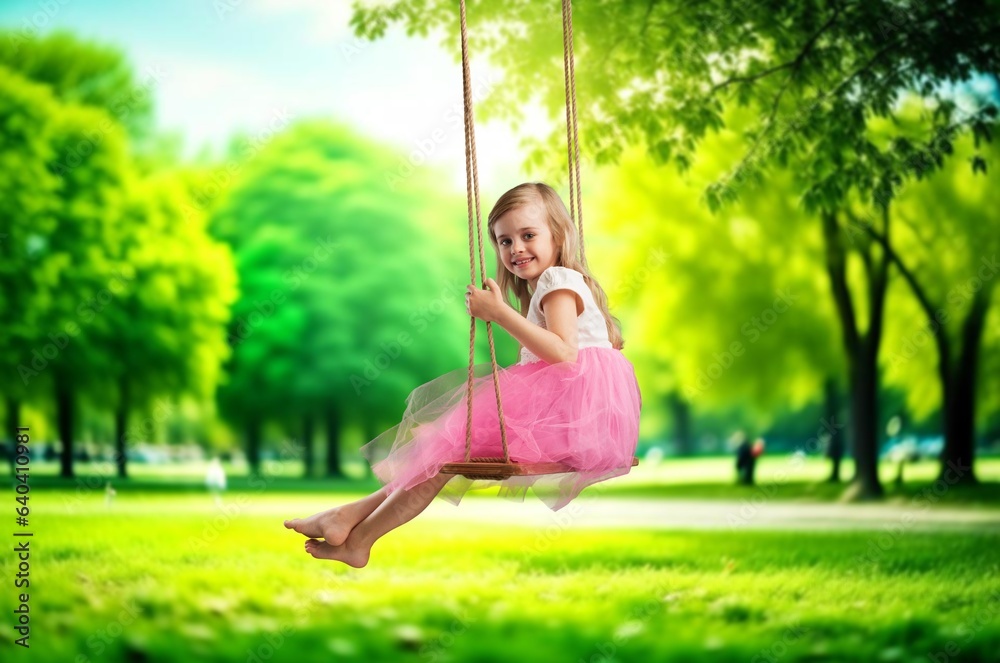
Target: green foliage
946,234
63,244
349,279
28,208
99,75
107,286
168,327
726,309
660,75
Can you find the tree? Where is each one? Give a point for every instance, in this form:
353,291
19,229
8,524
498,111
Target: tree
166,327
946,253
64,231
100,76
27,207
109,295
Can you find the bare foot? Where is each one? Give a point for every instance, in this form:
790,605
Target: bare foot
346,553
333,525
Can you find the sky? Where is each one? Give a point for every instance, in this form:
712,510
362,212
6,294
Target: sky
221,66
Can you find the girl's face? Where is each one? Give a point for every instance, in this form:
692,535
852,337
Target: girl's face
526,245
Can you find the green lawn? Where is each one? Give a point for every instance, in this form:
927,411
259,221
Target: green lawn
170,577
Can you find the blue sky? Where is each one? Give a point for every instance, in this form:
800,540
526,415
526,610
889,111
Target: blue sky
218,66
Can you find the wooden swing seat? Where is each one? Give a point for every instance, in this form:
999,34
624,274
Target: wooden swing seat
496,468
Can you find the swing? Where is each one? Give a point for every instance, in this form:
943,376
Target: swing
503,467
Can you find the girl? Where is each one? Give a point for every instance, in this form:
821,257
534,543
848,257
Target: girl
572,397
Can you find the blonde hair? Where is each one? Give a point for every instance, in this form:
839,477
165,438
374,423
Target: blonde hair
565,238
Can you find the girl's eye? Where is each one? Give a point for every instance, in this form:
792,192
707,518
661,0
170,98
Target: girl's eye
529,235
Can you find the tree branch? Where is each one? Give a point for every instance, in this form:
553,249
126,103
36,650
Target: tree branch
904,270
795,63
750,79
835,266
877,287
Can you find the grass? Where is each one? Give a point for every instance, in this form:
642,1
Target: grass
163,577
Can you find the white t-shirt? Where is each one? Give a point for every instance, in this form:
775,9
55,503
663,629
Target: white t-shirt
592,329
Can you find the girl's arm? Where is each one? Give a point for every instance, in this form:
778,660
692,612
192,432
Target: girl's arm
555,344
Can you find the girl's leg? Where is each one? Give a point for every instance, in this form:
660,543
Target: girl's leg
401,507
335,524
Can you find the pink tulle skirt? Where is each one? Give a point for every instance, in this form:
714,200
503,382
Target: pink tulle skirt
584,414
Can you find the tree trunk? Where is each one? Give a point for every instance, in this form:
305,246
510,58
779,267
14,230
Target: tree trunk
64,423
957,378
958,456
333,443
864,423
836,442
680,410
254,427
861,349
121,425
371,432
308,455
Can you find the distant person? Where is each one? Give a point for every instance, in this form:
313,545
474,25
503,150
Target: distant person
835,452
746,457
571,398
215,479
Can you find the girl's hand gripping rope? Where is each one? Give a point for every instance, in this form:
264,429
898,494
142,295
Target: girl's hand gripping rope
485,304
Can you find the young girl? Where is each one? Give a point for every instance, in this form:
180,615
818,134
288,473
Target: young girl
571,398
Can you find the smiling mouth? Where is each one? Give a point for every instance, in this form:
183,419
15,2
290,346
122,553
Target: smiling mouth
522,262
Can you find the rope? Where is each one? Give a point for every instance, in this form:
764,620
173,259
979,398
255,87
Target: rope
472,193
572,137
472,196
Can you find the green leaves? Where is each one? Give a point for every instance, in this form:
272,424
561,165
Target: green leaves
346,270
106,285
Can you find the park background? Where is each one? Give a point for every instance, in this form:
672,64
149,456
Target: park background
237,230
